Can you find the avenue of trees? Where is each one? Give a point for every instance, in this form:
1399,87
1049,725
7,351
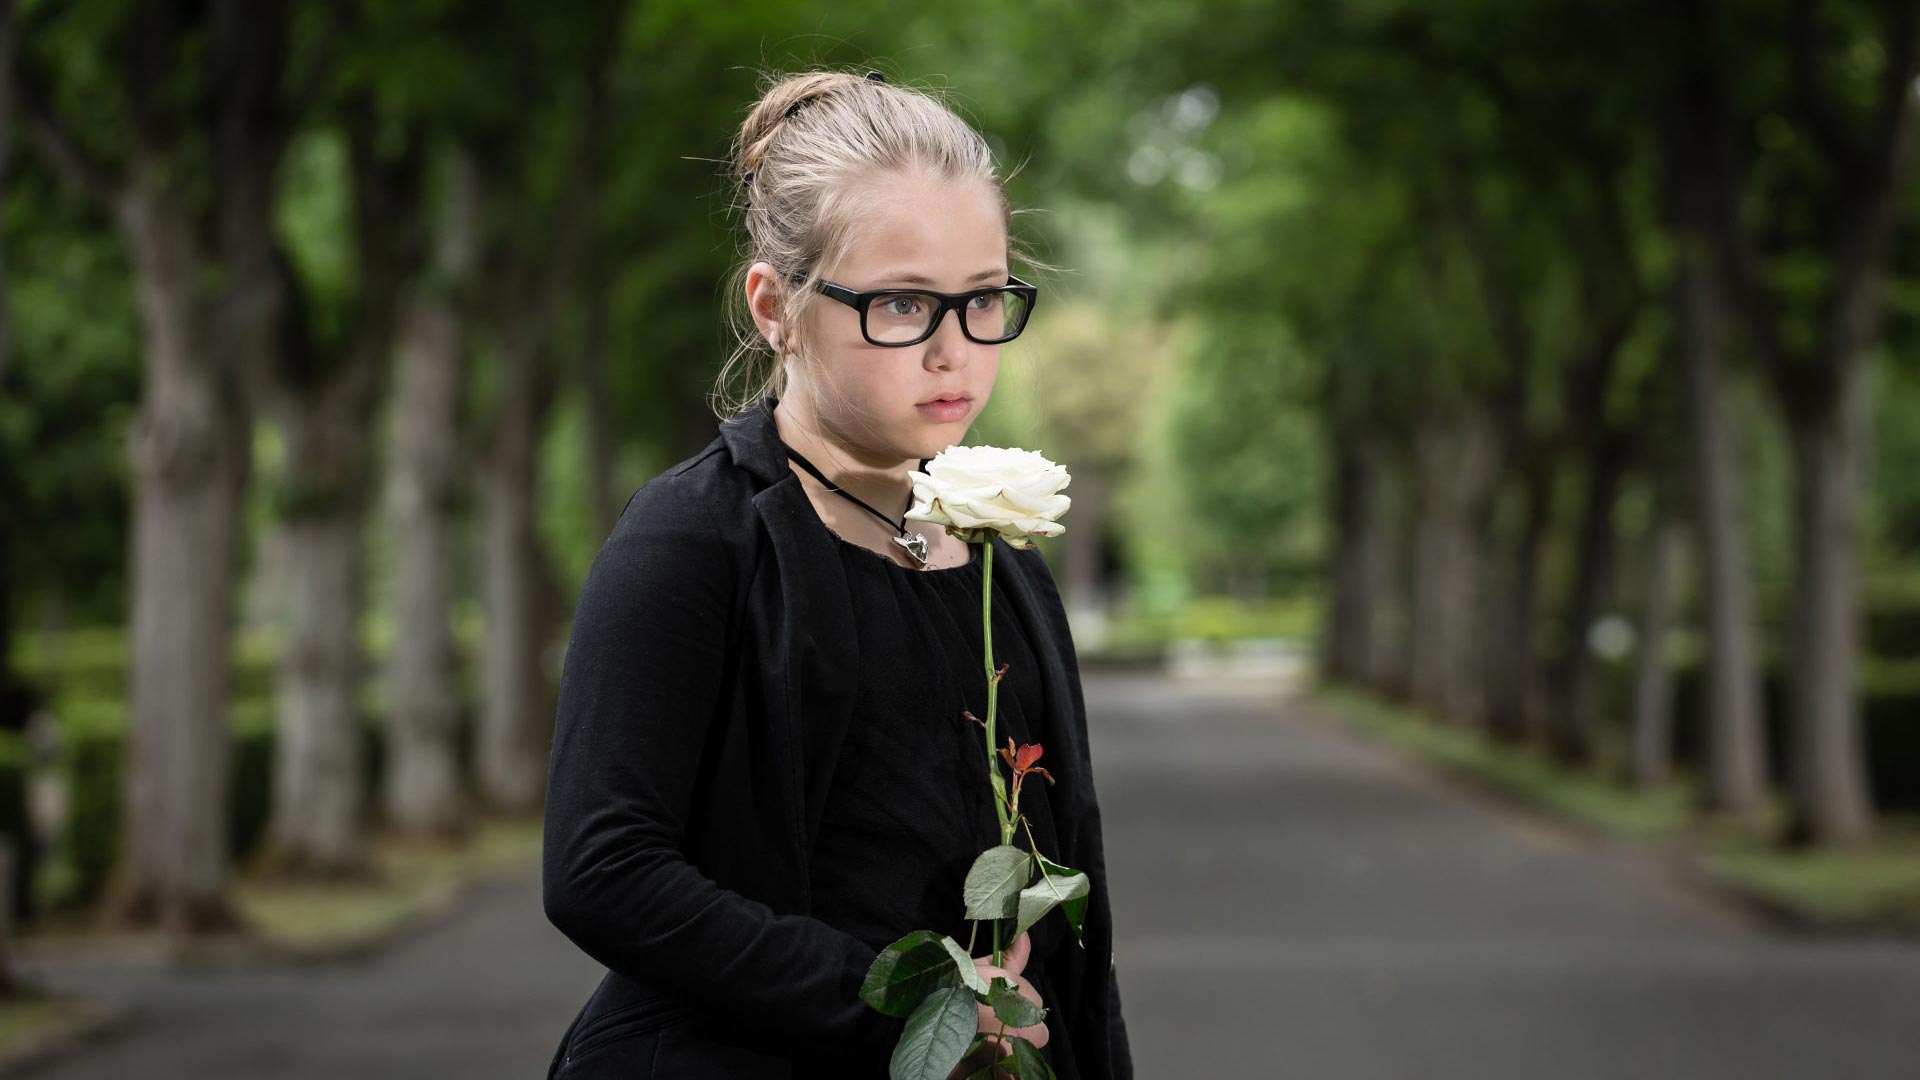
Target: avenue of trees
1494,327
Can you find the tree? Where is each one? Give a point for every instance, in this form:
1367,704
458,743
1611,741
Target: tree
1833,179
209,300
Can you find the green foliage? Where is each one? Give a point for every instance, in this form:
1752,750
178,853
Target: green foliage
1028,1063
936,1035
993,884
906,971
1010,1007
66,397
1058,887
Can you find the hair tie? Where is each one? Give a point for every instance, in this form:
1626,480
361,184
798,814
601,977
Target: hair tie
874,76
797,106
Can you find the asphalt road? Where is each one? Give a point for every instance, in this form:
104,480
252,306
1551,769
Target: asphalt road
1290,902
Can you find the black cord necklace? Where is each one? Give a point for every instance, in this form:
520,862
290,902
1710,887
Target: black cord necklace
916,545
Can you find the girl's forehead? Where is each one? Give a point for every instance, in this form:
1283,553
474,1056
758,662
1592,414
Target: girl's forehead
943,231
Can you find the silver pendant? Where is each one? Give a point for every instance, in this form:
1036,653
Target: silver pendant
916,547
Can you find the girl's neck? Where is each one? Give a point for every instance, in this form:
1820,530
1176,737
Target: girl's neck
882,484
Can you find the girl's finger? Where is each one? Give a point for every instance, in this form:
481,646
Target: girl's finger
1017,955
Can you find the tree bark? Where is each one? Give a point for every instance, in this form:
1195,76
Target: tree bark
1085,540
1861,189
1736,765
596,396
1651,762
208,302
424,792
1454,474
1511,667
317,827
1358,560
1390,655
188,456
1832,805
515,717
1573,713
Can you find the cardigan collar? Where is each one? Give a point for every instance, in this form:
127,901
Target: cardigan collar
754,441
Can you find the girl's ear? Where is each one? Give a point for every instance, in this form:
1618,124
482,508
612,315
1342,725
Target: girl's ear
763,300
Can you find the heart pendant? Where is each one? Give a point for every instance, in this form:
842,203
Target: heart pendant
916,547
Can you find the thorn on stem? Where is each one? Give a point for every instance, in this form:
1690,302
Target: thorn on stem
1001,674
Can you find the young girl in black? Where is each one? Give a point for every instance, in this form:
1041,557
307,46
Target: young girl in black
762,773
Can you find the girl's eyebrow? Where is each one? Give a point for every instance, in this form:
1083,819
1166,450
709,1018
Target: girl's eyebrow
915,279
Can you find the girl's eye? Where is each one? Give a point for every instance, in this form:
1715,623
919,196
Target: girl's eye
900,305
985,301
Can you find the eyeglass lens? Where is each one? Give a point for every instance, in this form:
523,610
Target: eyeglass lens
905,317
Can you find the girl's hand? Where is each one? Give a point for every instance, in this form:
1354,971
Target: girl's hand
990,1023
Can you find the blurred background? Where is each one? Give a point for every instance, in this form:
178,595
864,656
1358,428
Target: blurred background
1494,559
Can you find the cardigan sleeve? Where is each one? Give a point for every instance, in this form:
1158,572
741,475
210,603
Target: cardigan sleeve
642,675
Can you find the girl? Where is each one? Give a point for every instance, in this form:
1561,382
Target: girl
761,770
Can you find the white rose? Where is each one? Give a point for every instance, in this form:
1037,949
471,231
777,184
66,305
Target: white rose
977,490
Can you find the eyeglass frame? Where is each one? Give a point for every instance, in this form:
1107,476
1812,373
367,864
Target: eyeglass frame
860,301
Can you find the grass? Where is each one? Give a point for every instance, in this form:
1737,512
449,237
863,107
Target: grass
1522,772
33,1020
1212,619
413,881
306,918
1874,886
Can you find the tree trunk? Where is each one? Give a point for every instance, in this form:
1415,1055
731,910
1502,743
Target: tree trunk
1085,540
188,455
1511,662
424,795
423,788
318,825
1652,754
1832,805
1392,647
515,722
9,39
1572,714
1453,473
1358,560
317,828
1736,766
596,396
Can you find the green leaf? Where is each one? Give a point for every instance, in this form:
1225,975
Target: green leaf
1028,1062
1074,902
968,973
1013,1009
1049,892
906,970
936,1035
992,889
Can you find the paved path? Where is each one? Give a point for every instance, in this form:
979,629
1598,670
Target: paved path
482,995
1291,902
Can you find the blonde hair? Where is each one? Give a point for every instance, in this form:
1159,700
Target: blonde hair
796,163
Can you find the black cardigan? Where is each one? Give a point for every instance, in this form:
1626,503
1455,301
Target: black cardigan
703,700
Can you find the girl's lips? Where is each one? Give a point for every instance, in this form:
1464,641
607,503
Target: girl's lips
946,411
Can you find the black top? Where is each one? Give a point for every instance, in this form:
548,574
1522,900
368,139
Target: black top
909,807
700,730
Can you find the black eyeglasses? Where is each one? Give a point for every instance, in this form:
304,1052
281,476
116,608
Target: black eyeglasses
894,318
